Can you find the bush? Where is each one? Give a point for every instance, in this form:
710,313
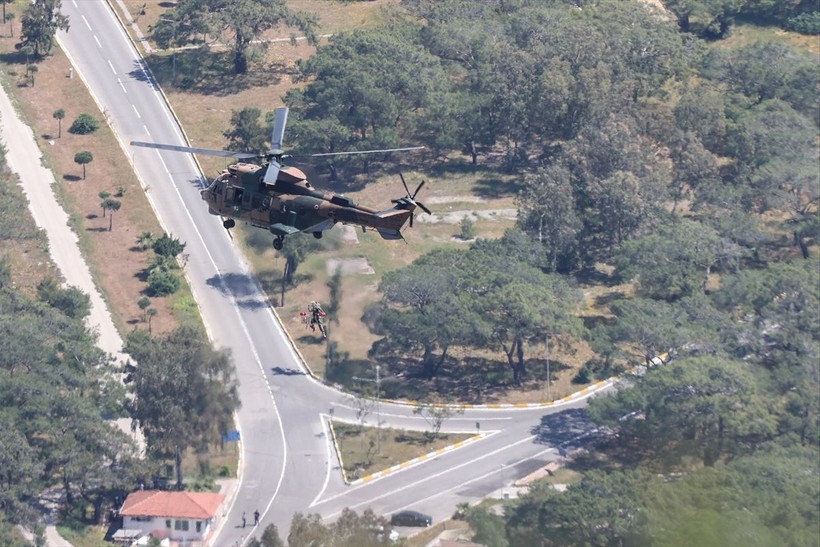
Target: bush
584,376
467,228
70,300
168,246
84,125
162,282
805,23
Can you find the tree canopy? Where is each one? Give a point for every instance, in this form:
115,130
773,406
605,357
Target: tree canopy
245,20
40,22
185,392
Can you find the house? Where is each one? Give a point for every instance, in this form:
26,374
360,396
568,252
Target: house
179,516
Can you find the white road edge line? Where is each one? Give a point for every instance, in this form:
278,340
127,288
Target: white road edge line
328,440
430,477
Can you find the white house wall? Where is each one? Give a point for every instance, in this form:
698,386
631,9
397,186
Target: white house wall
159,523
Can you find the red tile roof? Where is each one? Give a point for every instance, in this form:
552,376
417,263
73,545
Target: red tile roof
158,503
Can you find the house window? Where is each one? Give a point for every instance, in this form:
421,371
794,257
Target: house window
181,525
167,523
199,526
143,519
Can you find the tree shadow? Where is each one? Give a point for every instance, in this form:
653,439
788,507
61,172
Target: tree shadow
12,58
311,339
71,178
420,440
96,229
492,187
594,276
207,72
91,216
569,430
241,287
344,373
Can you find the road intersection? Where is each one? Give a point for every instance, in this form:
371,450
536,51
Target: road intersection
288,461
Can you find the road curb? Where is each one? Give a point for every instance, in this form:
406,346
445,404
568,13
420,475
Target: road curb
580,394
338,451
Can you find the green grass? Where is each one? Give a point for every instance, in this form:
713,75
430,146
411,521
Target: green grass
359,449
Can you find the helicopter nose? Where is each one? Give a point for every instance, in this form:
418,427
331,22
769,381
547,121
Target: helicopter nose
204,194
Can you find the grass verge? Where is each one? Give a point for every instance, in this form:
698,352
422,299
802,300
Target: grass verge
361,456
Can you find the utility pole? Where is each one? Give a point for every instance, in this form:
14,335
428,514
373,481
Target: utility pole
549,380
378,407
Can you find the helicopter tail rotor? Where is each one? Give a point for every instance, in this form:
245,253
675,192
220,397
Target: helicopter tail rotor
409,201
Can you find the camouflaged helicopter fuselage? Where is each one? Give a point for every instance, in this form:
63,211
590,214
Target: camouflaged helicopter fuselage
292,204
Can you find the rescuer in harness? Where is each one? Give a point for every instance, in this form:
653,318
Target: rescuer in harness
317,318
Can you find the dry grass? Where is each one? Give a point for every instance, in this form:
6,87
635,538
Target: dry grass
743,34
29,260
116,266
360,458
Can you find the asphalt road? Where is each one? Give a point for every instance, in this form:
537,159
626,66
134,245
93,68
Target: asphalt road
288,464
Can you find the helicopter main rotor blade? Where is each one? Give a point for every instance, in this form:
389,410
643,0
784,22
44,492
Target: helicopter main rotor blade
417,189
203,151
353,152
278,133
406,189
272,172
423,208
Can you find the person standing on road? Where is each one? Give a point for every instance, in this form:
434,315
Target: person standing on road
256,517
243,519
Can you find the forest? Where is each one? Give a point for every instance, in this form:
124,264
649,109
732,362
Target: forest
643,150
59,393
645,147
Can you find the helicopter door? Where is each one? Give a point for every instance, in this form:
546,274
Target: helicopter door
233,195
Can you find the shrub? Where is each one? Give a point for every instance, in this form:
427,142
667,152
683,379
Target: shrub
805,23
168,246
84,124
162,282
467,228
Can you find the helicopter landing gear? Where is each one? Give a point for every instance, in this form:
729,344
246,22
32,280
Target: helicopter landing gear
317,235
228,223
278,243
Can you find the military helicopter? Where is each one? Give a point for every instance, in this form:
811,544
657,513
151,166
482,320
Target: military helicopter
279,198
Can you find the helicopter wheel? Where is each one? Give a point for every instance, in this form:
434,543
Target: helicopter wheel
228,223
278,243
317,235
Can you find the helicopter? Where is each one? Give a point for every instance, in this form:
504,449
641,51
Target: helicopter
279,198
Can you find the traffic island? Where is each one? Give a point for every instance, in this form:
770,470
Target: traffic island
369,453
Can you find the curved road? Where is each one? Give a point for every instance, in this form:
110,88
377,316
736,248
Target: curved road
288,462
